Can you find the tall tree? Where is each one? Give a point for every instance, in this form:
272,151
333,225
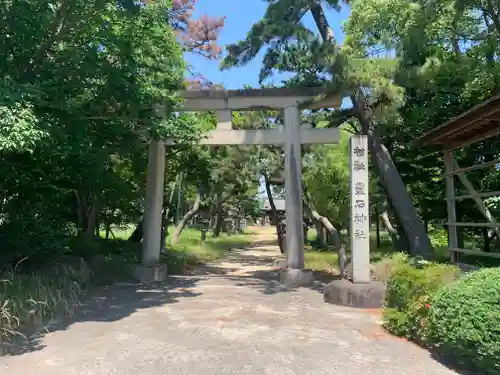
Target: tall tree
367,79
78,81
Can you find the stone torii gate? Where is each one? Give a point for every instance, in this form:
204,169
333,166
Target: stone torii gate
291,101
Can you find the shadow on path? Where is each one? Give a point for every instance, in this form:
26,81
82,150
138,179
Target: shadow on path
121,300
241,307
107,304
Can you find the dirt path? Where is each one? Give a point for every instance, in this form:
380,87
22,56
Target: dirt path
228,317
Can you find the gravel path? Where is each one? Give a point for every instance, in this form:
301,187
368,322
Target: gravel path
229,317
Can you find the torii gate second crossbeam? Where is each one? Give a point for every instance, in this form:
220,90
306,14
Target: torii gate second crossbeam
224,102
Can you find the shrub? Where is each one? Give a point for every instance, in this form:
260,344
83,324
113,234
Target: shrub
34,237
464,319
409,292
384,268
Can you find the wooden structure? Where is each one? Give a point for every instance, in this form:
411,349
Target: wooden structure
280,207
479,123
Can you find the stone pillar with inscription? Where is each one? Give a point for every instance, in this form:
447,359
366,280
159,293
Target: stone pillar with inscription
359,209
361,291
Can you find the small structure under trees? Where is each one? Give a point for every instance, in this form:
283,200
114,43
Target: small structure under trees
478,124
280,207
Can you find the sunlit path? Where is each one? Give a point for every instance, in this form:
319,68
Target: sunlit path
228,317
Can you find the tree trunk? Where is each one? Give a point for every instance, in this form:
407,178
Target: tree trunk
321,233
108,230
328,226
179,199
387,172
136,235
274,214
187,216
86,212
165,216
218,216
377,223
393,233
325,223
390,179
487,240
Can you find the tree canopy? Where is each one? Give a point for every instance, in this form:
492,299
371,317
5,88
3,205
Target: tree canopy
78,82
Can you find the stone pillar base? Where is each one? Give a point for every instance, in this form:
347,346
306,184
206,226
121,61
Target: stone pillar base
294,278
345,293
148,274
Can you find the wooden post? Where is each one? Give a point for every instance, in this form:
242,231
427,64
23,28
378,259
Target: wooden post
450,203
475,197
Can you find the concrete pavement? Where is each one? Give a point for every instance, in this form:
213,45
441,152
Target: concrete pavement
229,317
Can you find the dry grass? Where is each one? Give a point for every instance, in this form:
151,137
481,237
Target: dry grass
32,298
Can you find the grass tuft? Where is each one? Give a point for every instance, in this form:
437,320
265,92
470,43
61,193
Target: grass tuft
32,298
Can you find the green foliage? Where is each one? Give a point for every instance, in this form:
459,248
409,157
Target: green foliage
35,237
409,293
326,175
78,84
20,127
464,319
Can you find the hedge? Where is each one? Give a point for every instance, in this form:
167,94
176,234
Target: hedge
464,319
439,307
409,292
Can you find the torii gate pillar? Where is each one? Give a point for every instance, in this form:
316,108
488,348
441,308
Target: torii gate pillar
294,274
150,268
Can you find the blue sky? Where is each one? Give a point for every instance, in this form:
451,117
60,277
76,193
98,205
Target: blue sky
240,16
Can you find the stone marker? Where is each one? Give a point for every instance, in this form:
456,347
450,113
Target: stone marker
359,291
359,210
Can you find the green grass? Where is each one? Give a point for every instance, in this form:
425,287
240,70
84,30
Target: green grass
190,250
321,261
326,259
31,298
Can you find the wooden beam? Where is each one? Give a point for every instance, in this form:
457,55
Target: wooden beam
474,225
480,136
480,195
474,252
458,124
475,196
450,202
475,167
